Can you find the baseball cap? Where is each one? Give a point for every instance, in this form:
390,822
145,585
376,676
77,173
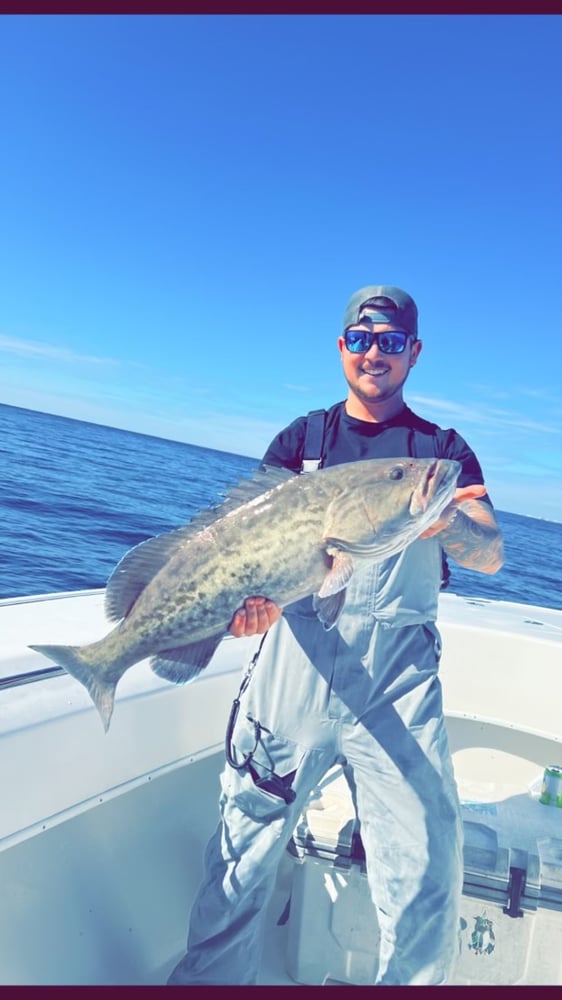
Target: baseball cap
390,305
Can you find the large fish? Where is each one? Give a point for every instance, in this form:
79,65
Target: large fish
281,535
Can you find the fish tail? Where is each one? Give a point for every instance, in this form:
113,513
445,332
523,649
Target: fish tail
72,658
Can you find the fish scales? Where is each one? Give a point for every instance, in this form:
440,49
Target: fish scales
224,570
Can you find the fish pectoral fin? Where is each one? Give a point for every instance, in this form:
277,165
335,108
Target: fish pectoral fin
182,665
328,608
339,574
330,599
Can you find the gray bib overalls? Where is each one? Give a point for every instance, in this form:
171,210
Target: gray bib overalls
366,695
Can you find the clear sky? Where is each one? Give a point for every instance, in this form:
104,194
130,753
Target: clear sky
188,201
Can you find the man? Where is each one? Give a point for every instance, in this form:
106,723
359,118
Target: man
365,694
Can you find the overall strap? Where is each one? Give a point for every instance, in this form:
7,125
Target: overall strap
312,455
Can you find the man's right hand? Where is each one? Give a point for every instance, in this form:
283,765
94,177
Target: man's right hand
255,616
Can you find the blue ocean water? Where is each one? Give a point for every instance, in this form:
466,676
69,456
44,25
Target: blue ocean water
75,496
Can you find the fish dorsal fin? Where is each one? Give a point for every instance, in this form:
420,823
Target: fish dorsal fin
138,567
263,480
141,563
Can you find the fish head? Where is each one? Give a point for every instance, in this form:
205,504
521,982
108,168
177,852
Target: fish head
397,499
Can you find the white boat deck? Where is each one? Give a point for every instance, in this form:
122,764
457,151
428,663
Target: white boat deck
102,835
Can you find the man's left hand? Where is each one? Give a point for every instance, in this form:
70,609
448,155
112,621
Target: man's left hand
447,515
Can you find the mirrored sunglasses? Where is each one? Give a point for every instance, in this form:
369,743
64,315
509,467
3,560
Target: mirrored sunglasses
390,342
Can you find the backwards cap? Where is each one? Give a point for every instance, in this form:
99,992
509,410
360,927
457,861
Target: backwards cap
387,304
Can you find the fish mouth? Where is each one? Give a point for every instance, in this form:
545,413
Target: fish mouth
436,487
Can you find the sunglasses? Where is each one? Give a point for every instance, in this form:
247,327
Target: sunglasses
390,342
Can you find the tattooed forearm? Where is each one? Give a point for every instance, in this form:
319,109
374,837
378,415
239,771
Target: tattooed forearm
474,540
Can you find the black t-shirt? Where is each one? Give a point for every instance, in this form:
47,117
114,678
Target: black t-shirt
347,439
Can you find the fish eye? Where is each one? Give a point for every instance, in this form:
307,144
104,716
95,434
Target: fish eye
396,473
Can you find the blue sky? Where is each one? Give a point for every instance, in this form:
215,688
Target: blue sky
188,201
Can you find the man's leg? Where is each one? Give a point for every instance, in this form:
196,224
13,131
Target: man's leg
226,925
409,820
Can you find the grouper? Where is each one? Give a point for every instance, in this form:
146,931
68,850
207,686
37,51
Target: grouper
278,534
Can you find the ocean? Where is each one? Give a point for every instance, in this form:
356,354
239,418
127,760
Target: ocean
75,496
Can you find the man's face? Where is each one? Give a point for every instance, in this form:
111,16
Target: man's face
374,376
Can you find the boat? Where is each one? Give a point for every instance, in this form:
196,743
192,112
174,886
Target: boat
102,834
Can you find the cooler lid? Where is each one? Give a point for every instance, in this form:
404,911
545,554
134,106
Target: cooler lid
486,864
550,868
327,826
517,879
528,838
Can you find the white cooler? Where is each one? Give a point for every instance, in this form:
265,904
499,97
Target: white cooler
511,908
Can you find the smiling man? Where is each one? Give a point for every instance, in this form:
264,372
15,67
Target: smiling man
364,694
378,347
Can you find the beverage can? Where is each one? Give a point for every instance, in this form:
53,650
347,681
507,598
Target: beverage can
551,791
